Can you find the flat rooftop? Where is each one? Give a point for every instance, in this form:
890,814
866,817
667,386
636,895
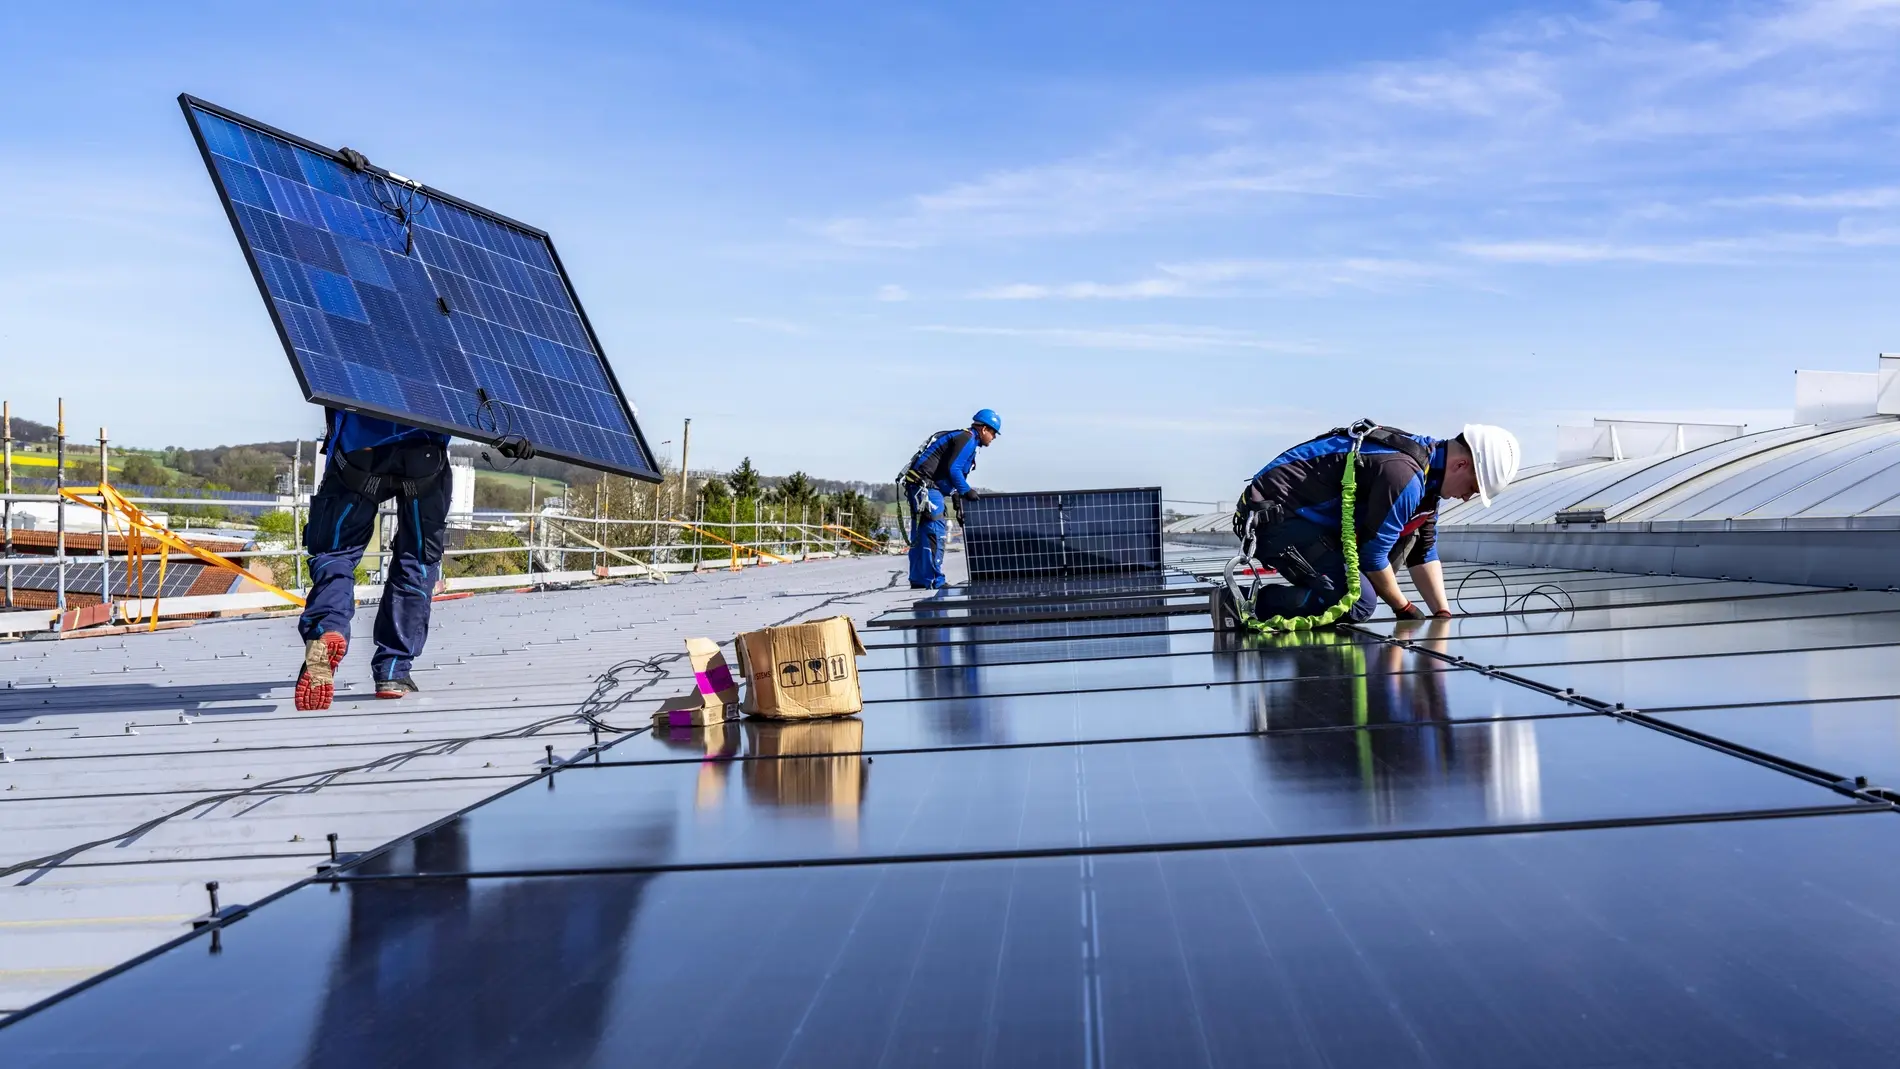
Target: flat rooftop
194,729
1601,819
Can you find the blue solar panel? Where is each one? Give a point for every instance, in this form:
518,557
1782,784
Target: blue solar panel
400,301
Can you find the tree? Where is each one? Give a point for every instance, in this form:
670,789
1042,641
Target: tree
493,493
796,489
856,511
244,468
141,470
744,479
715,492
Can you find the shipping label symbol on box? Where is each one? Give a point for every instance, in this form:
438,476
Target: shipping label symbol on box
808,673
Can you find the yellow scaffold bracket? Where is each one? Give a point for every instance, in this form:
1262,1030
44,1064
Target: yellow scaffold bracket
134,527
729,542
853,536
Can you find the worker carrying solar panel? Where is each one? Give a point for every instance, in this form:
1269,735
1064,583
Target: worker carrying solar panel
1289,517
938,473
372,460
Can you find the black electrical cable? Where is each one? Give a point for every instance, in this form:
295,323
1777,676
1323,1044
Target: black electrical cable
1520,603
497,420
603,700
404,206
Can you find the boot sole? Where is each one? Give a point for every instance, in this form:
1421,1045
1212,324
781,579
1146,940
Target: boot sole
311,695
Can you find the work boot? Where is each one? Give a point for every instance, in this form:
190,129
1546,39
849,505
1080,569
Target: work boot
396,688
316,683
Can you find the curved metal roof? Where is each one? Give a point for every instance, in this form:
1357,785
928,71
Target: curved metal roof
1832,470
1811,471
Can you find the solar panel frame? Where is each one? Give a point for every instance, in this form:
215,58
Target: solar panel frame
1060,533
649,473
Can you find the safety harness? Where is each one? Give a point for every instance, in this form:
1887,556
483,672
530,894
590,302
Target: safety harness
913,478
376,487
1348,546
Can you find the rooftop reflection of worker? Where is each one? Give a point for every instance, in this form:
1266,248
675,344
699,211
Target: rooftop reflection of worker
1396,738
950,681
444,972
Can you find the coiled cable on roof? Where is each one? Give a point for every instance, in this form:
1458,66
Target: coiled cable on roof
601,700
1550,592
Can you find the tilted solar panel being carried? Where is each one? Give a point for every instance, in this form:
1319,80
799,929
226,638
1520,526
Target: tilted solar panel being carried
1063,532
397,300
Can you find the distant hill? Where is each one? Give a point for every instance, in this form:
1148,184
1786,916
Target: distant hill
29,432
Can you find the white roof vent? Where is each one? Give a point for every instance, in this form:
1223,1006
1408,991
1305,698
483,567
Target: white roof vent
1623,439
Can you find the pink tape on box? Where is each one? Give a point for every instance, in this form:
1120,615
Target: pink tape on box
717,679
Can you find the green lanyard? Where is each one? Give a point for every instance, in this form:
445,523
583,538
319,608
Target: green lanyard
1348,544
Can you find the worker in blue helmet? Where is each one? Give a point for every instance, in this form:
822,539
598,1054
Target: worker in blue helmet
938,472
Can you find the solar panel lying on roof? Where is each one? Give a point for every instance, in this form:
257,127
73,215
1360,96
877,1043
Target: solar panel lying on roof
178,579
401,301
1061,533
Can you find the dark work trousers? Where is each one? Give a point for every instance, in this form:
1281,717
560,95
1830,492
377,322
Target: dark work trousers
1309,597
342,521
927,534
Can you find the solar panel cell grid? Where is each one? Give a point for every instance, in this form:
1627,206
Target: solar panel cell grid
84,579
1015,536
400,301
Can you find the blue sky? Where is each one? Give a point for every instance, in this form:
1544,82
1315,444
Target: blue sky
1163,240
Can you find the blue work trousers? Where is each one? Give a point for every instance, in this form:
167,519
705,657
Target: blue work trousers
342,521
930,526
1308,596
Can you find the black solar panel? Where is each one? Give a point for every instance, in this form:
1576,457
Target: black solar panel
84,579
1062,533
401,301
1397,844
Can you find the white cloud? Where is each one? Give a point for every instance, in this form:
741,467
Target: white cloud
1147,287
1155,338
1227,277
1849,234
892,292
1831,201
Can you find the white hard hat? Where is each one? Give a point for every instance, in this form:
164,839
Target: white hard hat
1494,455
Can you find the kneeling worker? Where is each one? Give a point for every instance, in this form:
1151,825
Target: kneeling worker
941,470
370,461
1288,517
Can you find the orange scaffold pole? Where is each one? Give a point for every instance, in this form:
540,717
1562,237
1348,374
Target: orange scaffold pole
134,526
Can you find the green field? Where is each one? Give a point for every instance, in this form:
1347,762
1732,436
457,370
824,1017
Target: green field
553,487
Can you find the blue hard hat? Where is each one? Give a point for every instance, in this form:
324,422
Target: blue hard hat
988,418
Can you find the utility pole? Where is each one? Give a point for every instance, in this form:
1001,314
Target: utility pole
686,484
686,447
59,483
296,515
6,442
105,544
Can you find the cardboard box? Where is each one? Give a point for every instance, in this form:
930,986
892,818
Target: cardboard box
715,693
711,672
689,710
802,670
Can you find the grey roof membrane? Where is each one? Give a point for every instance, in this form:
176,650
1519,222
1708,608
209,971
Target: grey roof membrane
1600,819
102,735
